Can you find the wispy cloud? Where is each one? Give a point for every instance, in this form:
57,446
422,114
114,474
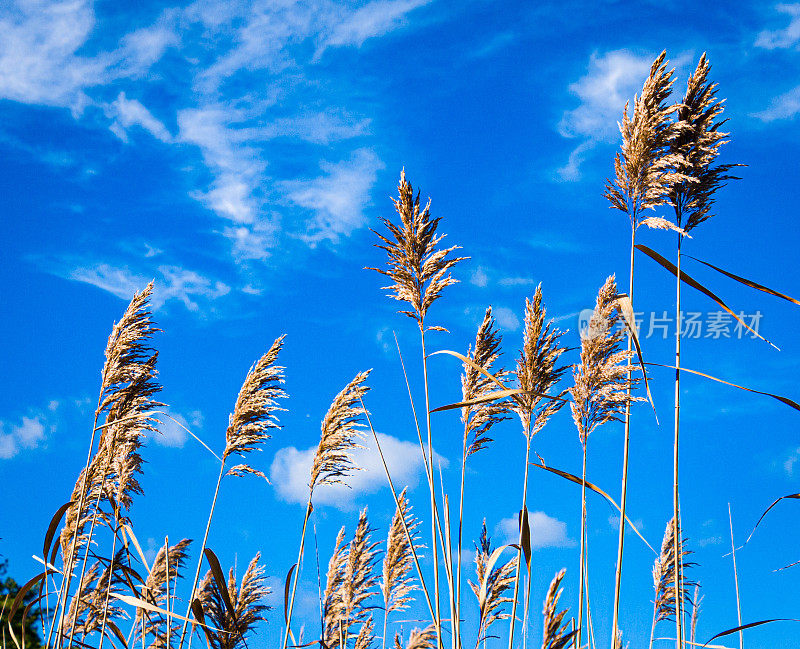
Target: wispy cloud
788,36
506,319
338,197
172,430
516,281
785,106
375,18
495,44
791,461
291,469
29,431
260,193
546,531
611,79
126,113
172,283
479,277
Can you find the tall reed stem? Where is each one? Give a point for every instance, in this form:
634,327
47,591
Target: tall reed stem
432,486
624,497
675,493
583,546
309,509
736,580
65,583
519,540
202,549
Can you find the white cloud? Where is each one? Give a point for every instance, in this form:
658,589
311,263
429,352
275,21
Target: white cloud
174,283
130,112
38,60
612,78
782,38
785,106
29,432
479,277
291,468
173,433
117,281
788,465
546,531
516,281
376,18
505,318
613,521
337,198
711,540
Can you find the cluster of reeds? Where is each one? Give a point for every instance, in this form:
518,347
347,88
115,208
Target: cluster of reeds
667,159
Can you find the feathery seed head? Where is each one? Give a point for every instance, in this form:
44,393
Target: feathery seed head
538,370
697,147
556,635
479,418
341,430
664,574
257,404
398,584
491,586
602,377
645,165
247,598
417,267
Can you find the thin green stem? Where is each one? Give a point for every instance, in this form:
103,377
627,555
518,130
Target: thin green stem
736,580
675,492
402,518
200,558
624,497
432,486
519,549
309,509
583,547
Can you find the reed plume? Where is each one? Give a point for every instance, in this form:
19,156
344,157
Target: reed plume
247,599
333,461
255,413
697,600
397,583
418,268
254,417
537,373
556,635
89,609
366,635
350,583
601,391
359,574
646,168
161,580
332,603
665,606
418,639
341,432
692,196
491,584
478,418
696,148
126,401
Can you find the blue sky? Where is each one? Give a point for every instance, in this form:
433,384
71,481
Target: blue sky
238,153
